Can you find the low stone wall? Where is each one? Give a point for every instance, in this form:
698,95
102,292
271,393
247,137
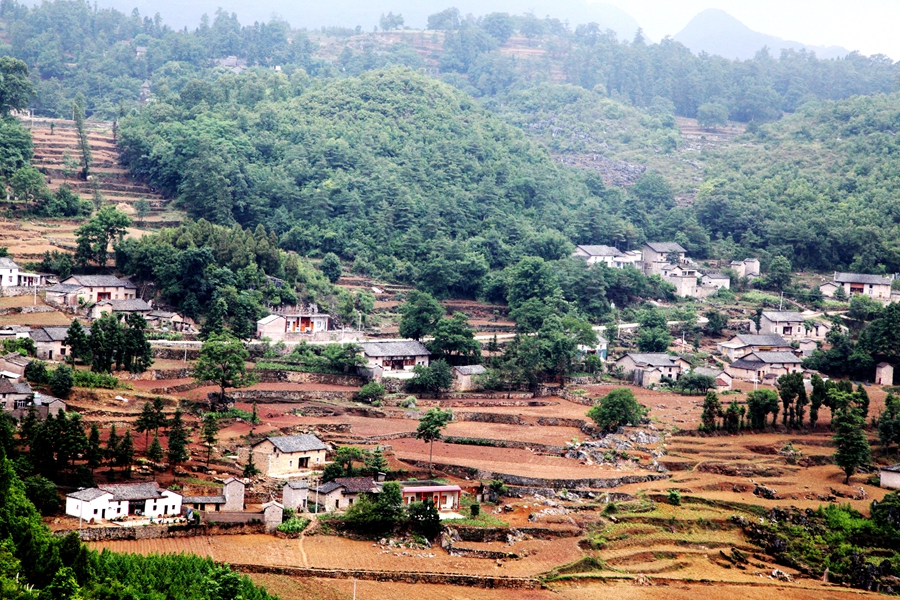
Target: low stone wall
165,353
9,292
502,534
556,484
457,579
276,376
538,448
463,552
480,417
148,532
287,396
156,374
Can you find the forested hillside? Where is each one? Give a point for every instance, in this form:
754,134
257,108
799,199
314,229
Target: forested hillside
819,187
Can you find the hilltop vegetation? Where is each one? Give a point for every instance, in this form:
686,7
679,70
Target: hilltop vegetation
818,187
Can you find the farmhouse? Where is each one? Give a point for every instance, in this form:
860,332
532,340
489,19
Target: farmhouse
113,501
288,456
600,349
11,276
42,405
657,254
756,366
84,289
14,394
745,343
168,321
122,308
394,358
230,500
445,497
791,326
723,380
341,493
874,286
715,281
295,495
49,342
12,366
890,477
748,268
884,374
598,254
683,277
464,377
649,368
292,324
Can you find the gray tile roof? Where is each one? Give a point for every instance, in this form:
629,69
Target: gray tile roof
297,485
100,281
8,387
748,365
775,357
708,372
862,278
296,443
783,317
203,500
394,348
655,359
87,495
471,370
22,387
65,288
133,491
665,247
50,334
130,305
17,359
717,276
762,340
327,488
8,263
892,468
601,251
356,485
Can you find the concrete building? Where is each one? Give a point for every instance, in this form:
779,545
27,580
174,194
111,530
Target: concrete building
123,308
292,325
655,255
464,377
745,343
890,477
748,268
295,495
230,500
9,272
601,349
884,374
792,326
12,365
722,378
758,366
877,287
289,456
273,515
113,501
445,497
598,254
15,394
394,358
86,289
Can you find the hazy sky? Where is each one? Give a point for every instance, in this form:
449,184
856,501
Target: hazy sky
870,26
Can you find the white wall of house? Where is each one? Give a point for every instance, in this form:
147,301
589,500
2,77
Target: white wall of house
890,480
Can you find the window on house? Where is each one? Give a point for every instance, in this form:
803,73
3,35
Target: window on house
95,511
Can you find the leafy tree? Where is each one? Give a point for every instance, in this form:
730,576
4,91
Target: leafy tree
454,340
95,236
616,409
36,372
94,453
779,275
28,185
500,26
112,443
342,462
716,322
16,89
424,518
376,462
78,343
390,21
733,417
331,267
141,209
419,315
125,452
222,360
159,415
851,445
446,20
712,411
84,146
61,381
43,494
214,324
817,398
711,115
695,383
654,339
209,433
435,378
430,429
146,422
792,391
370,392
155,451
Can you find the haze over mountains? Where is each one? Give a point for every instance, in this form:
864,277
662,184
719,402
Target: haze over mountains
714,31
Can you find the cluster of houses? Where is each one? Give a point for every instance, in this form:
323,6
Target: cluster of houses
296,459
669,260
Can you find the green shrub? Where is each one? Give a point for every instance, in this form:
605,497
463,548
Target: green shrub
89,379
293,525
370,393
674,497
475,510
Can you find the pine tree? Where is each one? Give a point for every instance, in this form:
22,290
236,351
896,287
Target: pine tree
145,422
125,452
376,463
215,319
851,444
210,433
94,454
78,343
155,451
159,415
178,441
250,469
112,443
254,419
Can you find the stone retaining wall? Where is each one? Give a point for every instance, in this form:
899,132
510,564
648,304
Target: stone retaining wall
8,292
467,441
457,579
501,534
166,353
106,534
275,376
287,396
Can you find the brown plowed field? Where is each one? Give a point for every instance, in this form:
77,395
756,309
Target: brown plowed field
336,552
554,436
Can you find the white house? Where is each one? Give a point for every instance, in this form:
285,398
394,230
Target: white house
287,456
343,492
598,254
394,358
9,272
748,268
649,368
292,325
890,477
792,326
230,500
111,501
295,495
758,366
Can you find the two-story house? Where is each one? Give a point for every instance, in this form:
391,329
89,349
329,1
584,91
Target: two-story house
792,326
656,255
877,287
745,343
89,289
650,367
288,456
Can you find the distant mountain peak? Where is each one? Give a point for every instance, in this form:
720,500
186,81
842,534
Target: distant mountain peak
714,31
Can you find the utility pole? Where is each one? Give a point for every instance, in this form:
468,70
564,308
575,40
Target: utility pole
781,302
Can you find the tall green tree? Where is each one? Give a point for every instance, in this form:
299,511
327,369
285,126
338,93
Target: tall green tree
616,409
454,341
222,361
95,236
94,453
78,343
177,452
851,444
155,451
125,452
145,423
419,315
84,146
430,429
61,381
209,433
16,89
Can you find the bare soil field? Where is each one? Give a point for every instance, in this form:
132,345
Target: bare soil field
37,319
554,436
